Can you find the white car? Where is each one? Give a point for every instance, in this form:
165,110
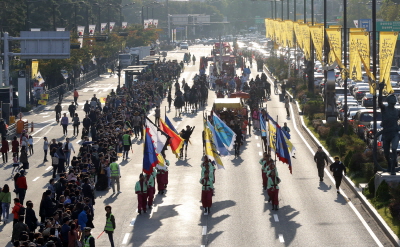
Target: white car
184,45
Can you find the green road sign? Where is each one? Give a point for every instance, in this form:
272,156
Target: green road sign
388,26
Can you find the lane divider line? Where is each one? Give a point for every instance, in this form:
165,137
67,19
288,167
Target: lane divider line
276,218
281,238
35,179
204,231
48,168
133,222
260,153
125,240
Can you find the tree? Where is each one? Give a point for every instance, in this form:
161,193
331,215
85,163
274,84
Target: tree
389,11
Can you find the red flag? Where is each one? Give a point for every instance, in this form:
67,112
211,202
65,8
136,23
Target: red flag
175,141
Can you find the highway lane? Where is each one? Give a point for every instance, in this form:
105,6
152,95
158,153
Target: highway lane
310,214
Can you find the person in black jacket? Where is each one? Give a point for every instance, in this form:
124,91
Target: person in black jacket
87,190
338,168
86,107
185,134
30,218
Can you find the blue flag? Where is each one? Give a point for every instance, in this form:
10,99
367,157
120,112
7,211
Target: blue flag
218,142
170,125
263,126
226,135
282,150
149,155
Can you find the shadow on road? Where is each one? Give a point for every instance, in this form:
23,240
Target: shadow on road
288,214
324,187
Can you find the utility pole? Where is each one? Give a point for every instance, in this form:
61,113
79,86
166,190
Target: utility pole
169,24
345,123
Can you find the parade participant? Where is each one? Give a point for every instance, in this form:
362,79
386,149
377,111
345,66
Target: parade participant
161,180
320,158
45,148
110,224
151,190
58,110
64,124
76,123
286,128
185,134
337,168
263,162
273,189
207,192
141,191
72,109
88,240
126,140
115,175
287,101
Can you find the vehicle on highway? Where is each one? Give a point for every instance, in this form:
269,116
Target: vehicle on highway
360,92
342,110
394,75
369,131
363,118
357,85
184,45
367,100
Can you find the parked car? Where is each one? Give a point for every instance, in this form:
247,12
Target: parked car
363,118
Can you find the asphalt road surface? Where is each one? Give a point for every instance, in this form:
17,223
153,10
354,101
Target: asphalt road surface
311,213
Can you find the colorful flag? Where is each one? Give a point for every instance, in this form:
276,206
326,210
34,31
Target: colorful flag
210,148
103,27
282,150
272,133
225,133
111,26
150,159
124,24
170,125
263,126
175,141
219,144
81,30
92,28
160,139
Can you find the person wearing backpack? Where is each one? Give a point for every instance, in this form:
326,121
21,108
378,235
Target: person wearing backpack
16,210
64,124
21,186
5,199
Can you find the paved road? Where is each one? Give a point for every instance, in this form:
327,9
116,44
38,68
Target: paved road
310,214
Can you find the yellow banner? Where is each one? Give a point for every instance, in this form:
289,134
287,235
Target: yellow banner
335,26
289,34
363,53
298,33
42,102
335,42
355,62
35,68
306,40
283,32
387,45
317,34
44,96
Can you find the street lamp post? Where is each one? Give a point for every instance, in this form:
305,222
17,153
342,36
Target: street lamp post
282,9
287,9
345,123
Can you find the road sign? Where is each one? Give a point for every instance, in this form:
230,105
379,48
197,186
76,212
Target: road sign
391,26
365,23
259,20
179,28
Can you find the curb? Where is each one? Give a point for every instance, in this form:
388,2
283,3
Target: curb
371,210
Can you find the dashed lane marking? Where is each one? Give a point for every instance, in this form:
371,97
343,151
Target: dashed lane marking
133,222
260,153
126,237
281,238
204,231
256,137
35,179
276,218
258,145
48,168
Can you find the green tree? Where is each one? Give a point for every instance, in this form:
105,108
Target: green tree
389,11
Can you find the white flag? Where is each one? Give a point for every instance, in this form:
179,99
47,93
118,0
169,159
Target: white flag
355,23
150,22
124,24
146,24
81,30
103,27
39,78
155,22
159,138
112,24
60,29
92,28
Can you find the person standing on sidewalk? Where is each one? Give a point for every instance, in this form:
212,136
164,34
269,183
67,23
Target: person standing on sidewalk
45,148
21,186
76,95
157,114
320,158
287,101
88,239
338,168
115,175
110,225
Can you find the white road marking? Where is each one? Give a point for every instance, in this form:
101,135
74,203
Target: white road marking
333,181
260,153
48,168
204,231
78,142
256,137
281,238
132,222
125,240
202,245
276,218
35,179
258,145
41,129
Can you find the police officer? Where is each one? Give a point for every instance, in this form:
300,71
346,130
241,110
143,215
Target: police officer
115,175
338,168
110,224
320,158
88,240
126,140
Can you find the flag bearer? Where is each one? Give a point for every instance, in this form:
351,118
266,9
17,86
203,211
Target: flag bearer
264,162
151,190
273,189
141,191
207,192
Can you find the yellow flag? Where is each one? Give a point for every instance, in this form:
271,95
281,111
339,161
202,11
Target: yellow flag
289,34
355,62
283,33
210,149
266,27
363,53
35,68
335,43
317,34
299,35
335,26
387,45
306,40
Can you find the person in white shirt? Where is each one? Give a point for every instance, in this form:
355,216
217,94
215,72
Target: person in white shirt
67,147
45,148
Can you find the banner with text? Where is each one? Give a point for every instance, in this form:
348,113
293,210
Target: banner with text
317,34
387,45
335,42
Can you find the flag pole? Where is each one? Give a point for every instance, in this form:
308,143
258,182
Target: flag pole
276,138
